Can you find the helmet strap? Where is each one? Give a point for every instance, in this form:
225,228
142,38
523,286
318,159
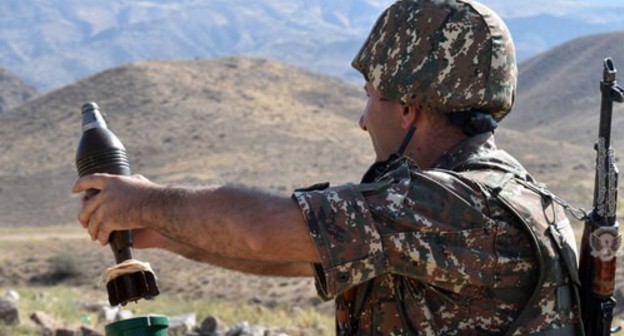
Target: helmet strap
379,167
406,140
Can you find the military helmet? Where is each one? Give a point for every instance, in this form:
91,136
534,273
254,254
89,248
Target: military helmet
441,55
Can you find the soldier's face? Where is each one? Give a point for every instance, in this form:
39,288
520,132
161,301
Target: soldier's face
382,120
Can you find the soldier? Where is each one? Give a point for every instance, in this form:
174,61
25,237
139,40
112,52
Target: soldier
445,234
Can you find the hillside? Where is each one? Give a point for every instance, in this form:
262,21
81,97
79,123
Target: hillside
231,120
559,91
13,91
566,168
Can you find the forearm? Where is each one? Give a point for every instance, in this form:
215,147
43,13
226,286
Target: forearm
241,265
233,222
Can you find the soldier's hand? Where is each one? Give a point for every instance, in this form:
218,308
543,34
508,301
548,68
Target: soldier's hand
118,205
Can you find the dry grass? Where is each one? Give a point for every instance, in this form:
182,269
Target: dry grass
66,305
57,270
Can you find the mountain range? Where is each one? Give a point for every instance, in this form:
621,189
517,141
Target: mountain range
536,34
52,44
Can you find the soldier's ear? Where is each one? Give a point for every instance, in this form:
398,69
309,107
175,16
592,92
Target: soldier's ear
409,116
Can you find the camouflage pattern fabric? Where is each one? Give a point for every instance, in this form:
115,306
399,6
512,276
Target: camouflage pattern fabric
436,253
441,55
554,307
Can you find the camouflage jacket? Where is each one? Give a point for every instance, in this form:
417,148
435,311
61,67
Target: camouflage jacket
436,252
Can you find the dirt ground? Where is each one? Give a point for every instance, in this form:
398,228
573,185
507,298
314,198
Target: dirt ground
66,256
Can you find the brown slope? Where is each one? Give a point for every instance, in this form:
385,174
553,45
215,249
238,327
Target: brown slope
566,168
13,91
230,120
558,91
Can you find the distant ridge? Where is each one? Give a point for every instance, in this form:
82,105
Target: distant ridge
50,44
236,120
13,91
559,91
233,120
230,120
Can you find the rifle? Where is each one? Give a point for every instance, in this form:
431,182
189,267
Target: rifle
601,239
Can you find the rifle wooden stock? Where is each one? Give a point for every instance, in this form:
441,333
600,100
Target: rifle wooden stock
600,236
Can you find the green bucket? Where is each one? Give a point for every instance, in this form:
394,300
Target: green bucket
151,325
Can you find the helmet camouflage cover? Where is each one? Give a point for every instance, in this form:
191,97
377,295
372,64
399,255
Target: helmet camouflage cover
441,55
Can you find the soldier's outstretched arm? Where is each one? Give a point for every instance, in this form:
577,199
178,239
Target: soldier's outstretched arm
231,221
148,238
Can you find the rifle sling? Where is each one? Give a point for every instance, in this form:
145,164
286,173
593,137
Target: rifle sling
501,190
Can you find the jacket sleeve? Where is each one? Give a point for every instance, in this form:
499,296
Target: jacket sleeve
409,224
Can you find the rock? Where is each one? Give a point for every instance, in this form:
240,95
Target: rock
8,312
45,322
212,325
316,301
182,323
94,307
239,329
108,313
66,332
124,314
257,330
12,295
112,314
244,329
86,331
276,333
255,300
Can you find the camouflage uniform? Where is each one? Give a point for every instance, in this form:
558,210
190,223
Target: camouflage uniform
473,246
434,252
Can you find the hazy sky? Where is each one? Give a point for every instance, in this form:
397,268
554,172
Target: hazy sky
593,16
517,8
574,8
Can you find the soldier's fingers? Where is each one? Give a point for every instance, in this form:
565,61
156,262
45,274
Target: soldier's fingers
98,226
93,226
93,181
103,234
89,206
